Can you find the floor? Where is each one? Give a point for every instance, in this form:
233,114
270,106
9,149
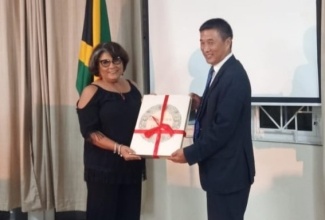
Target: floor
18,215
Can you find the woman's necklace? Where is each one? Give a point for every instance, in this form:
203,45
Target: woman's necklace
118,91
112,86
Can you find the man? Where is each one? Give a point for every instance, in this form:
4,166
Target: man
222,139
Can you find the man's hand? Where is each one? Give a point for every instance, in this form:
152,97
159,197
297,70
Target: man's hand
196,100
178,156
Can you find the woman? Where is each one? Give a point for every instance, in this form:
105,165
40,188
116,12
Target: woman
107,111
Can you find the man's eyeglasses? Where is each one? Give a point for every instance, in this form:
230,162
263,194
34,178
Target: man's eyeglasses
107,63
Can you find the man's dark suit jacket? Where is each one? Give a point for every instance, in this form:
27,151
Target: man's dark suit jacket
224,149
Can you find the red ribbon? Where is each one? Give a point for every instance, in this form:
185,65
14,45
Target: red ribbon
161,128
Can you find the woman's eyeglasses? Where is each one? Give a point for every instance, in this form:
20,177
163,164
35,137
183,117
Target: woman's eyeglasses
107,63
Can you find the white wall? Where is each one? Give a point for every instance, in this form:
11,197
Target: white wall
288,186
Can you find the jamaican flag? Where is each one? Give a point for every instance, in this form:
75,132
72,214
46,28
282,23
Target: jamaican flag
95,30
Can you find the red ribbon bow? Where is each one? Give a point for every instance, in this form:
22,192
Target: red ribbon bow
161,128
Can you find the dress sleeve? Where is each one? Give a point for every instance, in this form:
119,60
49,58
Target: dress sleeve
89,119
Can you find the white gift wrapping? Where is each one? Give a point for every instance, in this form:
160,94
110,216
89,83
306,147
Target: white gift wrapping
161,124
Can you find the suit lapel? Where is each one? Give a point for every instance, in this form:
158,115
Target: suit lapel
213,85
221,72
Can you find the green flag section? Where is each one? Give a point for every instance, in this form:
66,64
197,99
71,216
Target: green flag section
95,30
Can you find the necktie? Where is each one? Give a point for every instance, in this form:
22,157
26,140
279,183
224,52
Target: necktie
197,120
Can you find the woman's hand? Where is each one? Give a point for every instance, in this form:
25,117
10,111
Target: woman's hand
128,154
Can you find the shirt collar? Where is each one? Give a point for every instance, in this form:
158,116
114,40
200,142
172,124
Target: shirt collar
217,67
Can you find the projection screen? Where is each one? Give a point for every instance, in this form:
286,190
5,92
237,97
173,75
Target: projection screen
276,41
